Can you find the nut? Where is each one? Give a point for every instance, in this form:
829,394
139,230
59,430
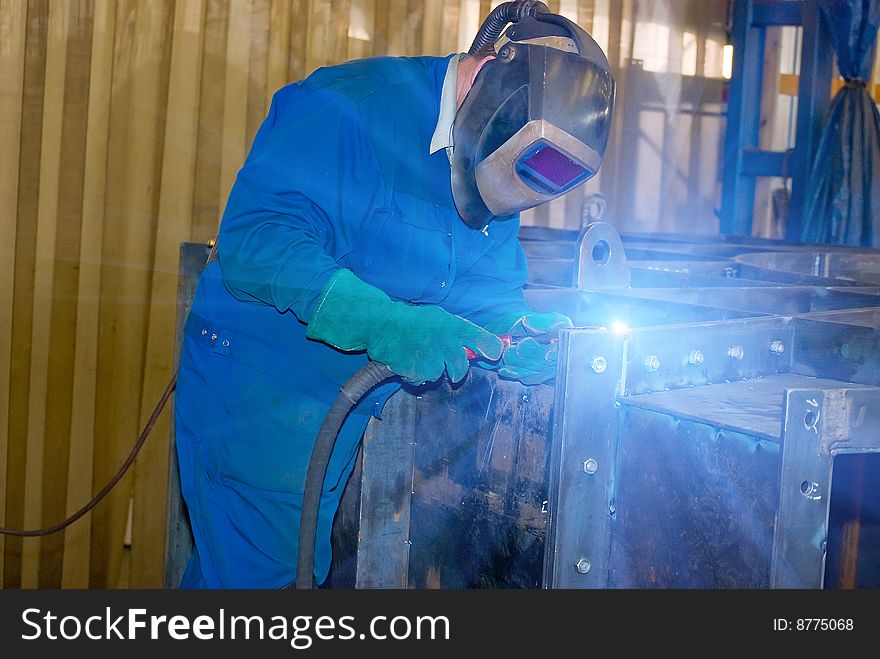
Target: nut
695,357
599,364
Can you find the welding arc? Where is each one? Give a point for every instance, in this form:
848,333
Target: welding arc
113,481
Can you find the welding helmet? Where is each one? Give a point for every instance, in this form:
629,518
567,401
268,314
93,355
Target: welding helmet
535,123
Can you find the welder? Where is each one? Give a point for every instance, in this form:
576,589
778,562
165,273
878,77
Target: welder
375,218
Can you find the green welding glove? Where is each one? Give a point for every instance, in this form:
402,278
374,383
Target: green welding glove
532,357
418,343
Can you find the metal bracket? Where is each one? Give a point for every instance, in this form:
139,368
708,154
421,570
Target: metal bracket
601,259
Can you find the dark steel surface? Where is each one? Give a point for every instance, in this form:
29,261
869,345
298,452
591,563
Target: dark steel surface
766,300
478,514
656,276
822,268
385,496
695,505
552,271
848,352
750,407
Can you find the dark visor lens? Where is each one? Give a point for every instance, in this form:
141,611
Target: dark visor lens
549,171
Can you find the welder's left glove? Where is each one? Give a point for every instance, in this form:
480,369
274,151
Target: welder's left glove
532,357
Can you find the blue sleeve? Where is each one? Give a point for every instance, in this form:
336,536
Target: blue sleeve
306,192
490,293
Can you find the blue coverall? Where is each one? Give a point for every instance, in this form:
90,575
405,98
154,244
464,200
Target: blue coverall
339,175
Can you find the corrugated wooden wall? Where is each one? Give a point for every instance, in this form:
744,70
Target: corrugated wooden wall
122,125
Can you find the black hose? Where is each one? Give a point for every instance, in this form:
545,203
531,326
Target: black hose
355,388
506,12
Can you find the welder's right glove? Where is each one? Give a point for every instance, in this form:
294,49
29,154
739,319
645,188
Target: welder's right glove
532,357
418,343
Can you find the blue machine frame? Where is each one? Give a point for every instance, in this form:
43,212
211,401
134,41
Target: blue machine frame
743,160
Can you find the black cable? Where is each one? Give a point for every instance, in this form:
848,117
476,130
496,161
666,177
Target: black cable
355,388
109,486
506,12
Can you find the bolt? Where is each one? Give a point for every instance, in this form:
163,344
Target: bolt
777,347
590,466
612,509
735,351
809,489
583,566
695,357
652,363
526,398
599,364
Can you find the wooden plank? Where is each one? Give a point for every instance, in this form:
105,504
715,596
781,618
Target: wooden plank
44,263
12,48
206,201
449,31
172,228
62,324
414,27
469,20
380,29
361,26
278,66
337,47
318,34
258,70
135,148
77,546
235,101
585,11
27,210
432,32
300,19
395,35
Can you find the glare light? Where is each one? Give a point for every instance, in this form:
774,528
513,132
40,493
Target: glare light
619,327
727,61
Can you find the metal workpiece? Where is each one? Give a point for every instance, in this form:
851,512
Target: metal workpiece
695,505
775,300
605,308
601,258
818,425
674,345
579,521
829,267
842,346
655,459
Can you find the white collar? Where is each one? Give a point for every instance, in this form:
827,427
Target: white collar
442,138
